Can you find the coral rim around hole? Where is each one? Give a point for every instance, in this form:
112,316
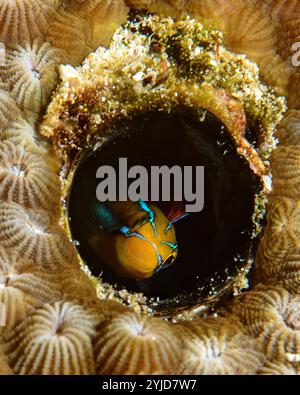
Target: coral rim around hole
216,244
164,97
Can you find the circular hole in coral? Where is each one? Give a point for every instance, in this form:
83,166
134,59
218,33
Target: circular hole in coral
214,244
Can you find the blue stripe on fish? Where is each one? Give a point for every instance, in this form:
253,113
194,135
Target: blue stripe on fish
171,245
126,231
145,207
168,227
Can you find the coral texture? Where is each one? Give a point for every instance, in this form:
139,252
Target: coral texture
24,287
218,347
131,344
24,20
56,339
27,179
31,72
32,235
271,314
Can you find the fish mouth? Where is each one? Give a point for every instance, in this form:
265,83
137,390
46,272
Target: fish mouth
170,260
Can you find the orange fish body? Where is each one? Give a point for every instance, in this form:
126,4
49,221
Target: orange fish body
136,239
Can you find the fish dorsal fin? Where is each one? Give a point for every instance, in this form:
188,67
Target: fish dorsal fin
176,212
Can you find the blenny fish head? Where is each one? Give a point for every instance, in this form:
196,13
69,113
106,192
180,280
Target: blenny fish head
148,245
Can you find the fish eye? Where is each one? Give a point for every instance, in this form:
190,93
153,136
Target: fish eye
139,223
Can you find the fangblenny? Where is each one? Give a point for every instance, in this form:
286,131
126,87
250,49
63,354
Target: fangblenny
136,239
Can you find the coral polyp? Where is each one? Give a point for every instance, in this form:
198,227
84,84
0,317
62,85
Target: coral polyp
217,347
4,367
32,73
20,133
56,339
32,234
79,28
272,315
23,287
27,179
278,369
285,166
281,236
131,344
24,20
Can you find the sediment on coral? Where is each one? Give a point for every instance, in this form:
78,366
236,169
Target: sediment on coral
229,95
260,29
76,285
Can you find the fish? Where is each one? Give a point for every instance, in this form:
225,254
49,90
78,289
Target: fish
136,239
